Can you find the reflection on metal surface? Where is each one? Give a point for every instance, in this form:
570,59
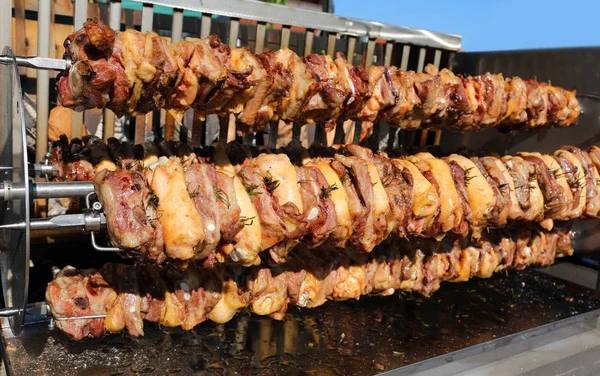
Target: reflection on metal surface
339,338
14,245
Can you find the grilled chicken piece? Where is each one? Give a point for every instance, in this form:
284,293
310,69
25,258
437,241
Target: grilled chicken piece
451,213
75,293
183,227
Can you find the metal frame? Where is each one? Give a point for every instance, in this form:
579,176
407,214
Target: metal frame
285,15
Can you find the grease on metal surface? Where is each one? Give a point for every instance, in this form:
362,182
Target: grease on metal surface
340,338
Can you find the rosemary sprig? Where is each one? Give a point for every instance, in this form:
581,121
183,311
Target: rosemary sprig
326,191
152,199
270,183
579,183
152,220
556,173
503,188
222,196
468,175
344,178
251,189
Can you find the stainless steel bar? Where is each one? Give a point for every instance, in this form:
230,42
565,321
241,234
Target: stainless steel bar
421,64
234,33
67,221
5,24
278,14
89,317
81,13
387,60
285,36
114,21
147,17
45,63
309,39
115,14
331,44
437,58
43,80
79,17
351,49
61,189
205,25
405,55
370,53
259,46
177,26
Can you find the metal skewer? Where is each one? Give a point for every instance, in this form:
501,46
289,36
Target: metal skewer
43,309
45,63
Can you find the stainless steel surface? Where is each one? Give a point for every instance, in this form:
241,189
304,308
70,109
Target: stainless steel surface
14,245
61,189
42,169
463,362
9,191
340,338
285,15
44,63
80,13
87,221
6,24
177,26
147,17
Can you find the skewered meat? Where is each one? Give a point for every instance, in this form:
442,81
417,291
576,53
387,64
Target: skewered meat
185,298
133,73
353,198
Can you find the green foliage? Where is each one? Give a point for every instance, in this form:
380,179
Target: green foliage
280,2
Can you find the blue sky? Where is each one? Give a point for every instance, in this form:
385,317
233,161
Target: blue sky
490,24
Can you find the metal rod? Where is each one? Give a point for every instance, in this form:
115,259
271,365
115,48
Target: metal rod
147,17
370,53
43,80
405,55
421,64
351,48
115,15
177,27
261,30
79,17
285,36
89,317
205,26
331,44
114,21
37,62
308,42
6,24
81,13
387,60
61,189
437,58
